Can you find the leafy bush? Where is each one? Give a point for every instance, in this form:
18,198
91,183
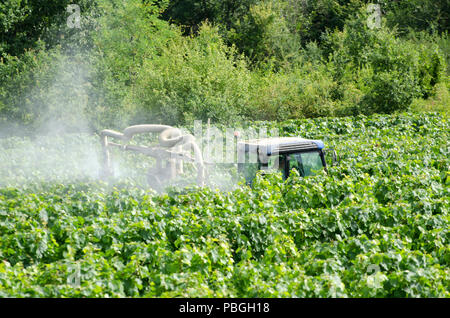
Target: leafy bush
252,60
193,78
389,71
264,36
303,92
418,15
128,34
26,24
43,90
440,102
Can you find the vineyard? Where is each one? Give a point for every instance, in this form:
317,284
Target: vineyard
376,225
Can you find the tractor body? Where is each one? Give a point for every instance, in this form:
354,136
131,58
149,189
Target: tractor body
282,155
175,148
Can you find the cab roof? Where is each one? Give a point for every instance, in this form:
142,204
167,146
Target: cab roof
271,146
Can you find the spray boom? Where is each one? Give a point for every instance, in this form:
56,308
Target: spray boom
173,149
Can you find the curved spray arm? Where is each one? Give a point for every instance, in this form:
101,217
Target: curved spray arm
173,147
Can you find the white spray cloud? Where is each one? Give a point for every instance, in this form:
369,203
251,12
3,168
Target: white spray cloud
61,147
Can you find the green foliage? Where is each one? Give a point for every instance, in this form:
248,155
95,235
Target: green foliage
43,89
24,23
138,61
440,102
192,78
374,226
264,36
190,14
391,71
419,15
129,33
305,92
388,92
80,89
311,19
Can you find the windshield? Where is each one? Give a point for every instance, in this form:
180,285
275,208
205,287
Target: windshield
307,163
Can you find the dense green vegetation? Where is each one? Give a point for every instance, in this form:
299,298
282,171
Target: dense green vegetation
174,61
374,226
376,88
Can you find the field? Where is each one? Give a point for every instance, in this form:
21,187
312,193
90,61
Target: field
377,225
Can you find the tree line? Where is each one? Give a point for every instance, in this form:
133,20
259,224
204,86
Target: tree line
173,61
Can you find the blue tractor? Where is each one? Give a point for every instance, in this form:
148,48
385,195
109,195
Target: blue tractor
282,154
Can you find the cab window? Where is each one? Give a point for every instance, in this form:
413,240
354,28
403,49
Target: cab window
306,163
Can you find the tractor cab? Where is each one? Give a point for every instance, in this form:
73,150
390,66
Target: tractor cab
281,154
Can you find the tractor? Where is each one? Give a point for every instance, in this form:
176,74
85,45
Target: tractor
282,155
175,148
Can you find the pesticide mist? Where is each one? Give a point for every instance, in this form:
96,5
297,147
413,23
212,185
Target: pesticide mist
62,148
65,149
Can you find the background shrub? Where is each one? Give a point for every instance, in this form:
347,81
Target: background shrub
193,78
179,60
